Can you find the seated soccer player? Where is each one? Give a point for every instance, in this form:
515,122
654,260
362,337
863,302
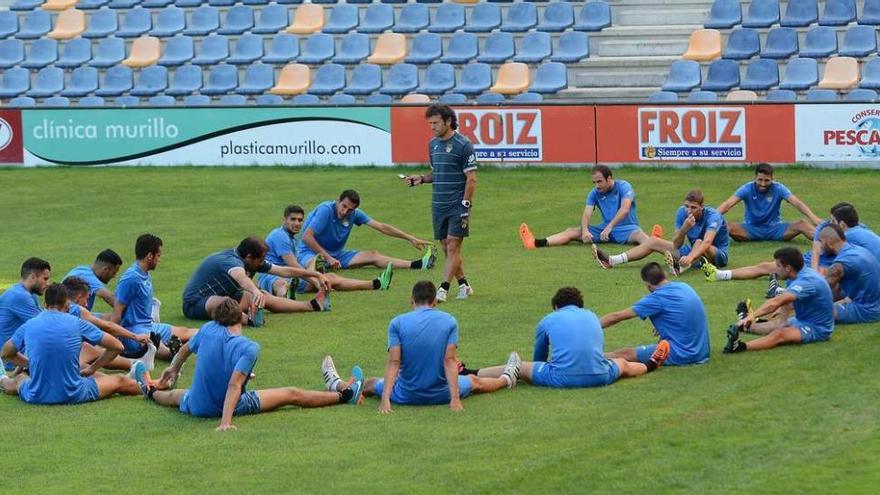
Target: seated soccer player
578,343
807,293
18,303
98,275
226,359
422,367
762,198
854,275
282,252
702,227
678,316
616,201
48,346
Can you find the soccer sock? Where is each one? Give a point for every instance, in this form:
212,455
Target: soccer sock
314,304
541,243
724,275
462,281
618,259
445,286
376,284
345,395
651,364
740,346
415,265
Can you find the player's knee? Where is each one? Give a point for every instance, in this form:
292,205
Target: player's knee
293,395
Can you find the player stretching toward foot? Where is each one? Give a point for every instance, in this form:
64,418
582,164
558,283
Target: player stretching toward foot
18,303
98,275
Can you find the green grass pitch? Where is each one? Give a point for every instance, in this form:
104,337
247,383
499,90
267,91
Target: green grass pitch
793,420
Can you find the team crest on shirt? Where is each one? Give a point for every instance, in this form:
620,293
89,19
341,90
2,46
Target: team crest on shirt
472,158
345,223
449,147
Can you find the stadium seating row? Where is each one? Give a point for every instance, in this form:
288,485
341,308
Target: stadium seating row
725,14
774,95
782,43
25,5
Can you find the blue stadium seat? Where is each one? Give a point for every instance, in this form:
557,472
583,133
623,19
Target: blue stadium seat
535,47
56,101
439,78
43,52
187,80
838,13
742,44
22,5
781,42
392,1
684,75
474,79
761,74
413,18
781,95
724,14
294,2
701,96
484,18
247,49
817,94
868,95
21,102
76,52
49,81
123,4
284,49
520,18
170,21
490,98
448,18
558,16
238,19
35,25
197,101
594,16
425,49
222,79
800,73
152,4
820,42
221,3
401,79
663,97
11,53
319,48
152,81
161,101
498,48
343,18
83,81
258,79
870,13
461,48
528,98
342,99
185,4
127,101
329,79
117,81
233,100
353,49
90,101
723,74
572,46
178,51
799,13
102,23
136,22
212,50
871,74
454,99
305,99
8,23
267,100
272,18
202,21
762,14
550,77
365,79
859,42
110,52
378,18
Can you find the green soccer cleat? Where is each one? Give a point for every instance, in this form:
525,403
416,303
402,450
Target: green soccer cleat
321,265
386,276
429,258
709,270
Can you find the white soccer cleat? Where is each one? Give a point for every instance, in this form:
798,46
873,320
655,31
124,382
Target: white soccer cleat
511,370
441,295
464,291
149,358
331,376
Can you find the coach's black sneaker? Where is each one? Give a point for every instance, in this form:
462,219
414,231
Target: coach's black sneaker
672,263
733,342
174,345
601,258
772,287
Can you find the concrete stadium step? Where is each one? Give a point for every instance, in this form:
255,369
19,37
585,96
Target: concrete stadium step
617,78
641,40
599,95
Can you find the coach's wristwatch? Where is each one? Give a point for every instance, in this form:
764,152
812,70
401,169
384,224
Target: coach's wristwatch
466,203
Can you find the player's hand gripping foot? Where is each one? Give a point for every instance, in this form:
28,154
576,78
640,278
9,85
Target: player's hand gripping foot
709,270
322,299
511,369
733,342
528,240
601,258
321,264
672,263
142,377
429,258
385,277
661,353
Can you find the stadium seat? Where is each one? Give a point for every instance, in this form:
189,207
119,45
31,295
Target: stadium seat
23,5
8,23
722,75
762,14
838,13
684,75
704,45
800,13
513,79
267,100
35,25
247,49
283,49
724,14
800,73
742,95
285,2
401,79
840,73
343,18
701,96
572,46
144,51
454,99
90,101
69,24
110,52
365,79
663,97
781,42
197,101
221,3
136,22
867,95
821,95
178,51
497,48
550,77
438,79
520,18
203,21
870,13
742,44
413,18
188,4
154,4
222,79
761,74
329,79
305,100
390,1
781,95
558,16
390,49
118,80
871,74
318,49
233,100
529,98
187,80
83,81
448,18
152,81
43,52
11,53
490,98
342,99
58,5
485,17
426,48
258,79
293,80
378,18
534,47
820,42
474,79
271,19
594,16
353,48
170,21
102,23
49,81
213,49
56,101
123,4
161,101
859,42
76,52
21,102
238,20
461,48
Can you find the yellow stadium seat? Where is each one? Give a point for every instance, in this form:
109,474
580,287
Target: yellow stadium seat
390,49
416,98
742,95
513,79
70,24
144,51
840,73
307,19
705,44
59,4
294,79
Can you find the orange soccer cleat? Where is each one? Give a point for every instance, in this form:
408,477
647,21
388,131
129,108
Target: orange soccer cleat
525,234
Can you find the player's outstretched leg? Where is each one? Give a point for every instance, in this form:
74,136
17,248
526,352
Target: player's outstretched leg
558,239
713,274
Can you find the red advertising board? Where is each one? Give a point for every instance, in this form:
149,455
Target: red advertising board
11,149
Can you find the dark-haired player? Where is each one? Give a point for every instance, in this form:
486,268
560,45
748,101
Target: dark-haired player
854,275
19,304
98,275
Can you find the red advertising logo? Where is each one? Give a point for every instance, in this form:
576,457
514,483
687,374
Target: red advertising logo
503,135
690,133
11,151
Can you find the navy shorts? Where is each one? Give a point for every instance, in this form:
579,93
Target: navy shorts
194,308
451,223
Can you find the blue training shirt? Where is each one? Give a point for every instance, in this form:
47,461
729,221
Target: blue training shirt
863,237
609,203
423,335
861,277
762,208
450,161
212,277
280,243
135,290
85,272
814,303
678,314
330,231
711,221
577,339
17,305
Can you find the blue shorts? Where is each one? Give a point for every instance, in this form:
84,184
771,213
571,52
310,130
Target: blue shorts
164,331
644,352
619,234
344,257
87,391
265,281
249,403
719,261
398,397
809,332
772,232
449,222
825,260
545,375
853,312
